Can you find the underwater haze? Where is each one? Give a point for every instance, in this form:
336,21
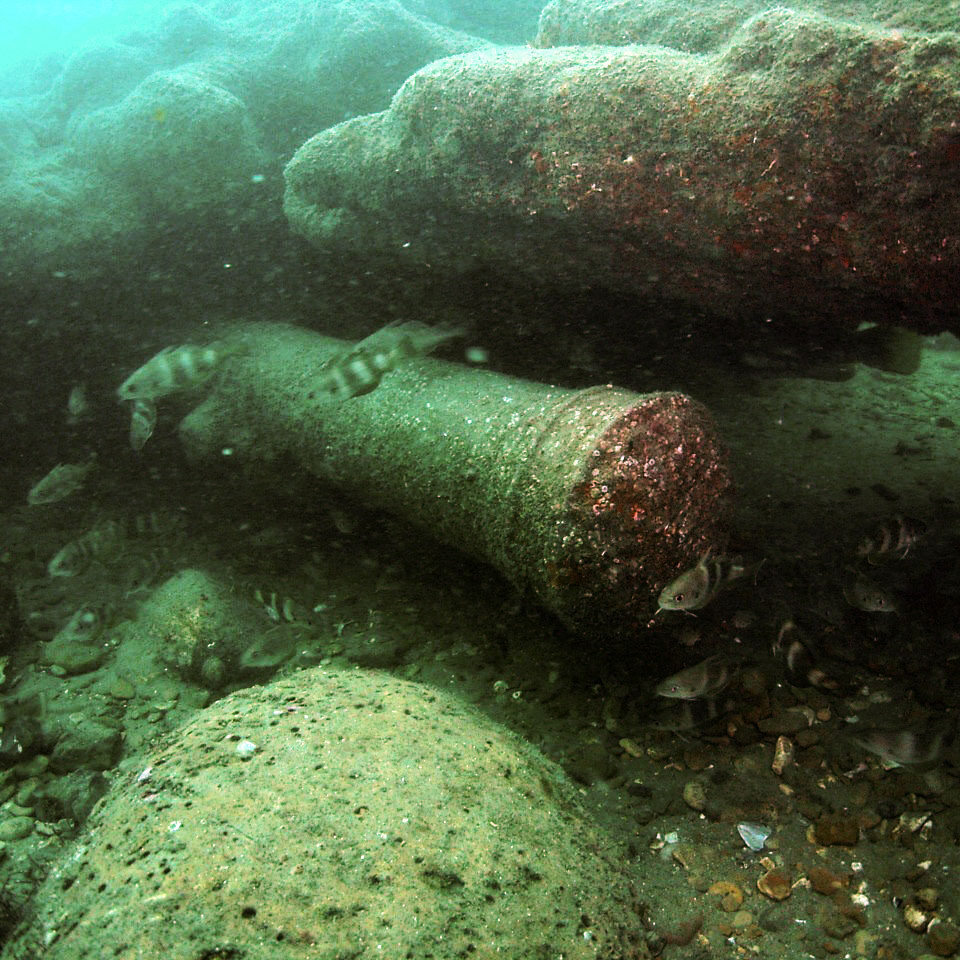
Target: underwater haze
480,479
35,29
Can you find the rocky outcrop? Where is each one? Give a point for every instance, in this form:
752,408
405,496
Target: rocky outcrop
806,170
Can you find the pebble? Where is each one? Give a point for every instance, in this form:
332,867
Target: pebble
838,925
694,795
943,938
808,737
825,881
775,884
15,828
927,898
72,656
836,830
788,721
915,918
121,689
24,796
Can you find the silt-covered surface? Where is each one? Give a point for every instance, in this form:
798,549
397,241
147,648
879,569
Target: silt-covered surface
339,814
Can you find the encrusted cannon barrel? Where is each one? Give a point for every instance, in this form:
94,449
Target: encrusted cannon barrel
591,498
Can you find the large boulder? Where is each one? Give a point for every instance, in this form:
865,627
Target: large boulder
806,170
337,814
57,219
699,28
180,140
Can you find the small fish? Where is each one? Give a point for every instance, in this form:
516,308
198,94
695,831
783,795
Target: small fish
796,649
895,537
918,748
143,418
84,626
59,483
360,369
280,609
175,369
695,588
74,558
705,679
864,594
78,408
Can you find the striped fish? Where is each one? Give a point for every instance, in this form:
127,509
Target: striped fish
77,555
175,369
60,482
703,680
893,538
865,594
918,748
360,369
797,651
106,539
695,588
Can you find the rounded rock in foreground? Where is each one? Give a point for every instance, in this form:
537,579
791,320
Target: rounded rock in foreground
376,818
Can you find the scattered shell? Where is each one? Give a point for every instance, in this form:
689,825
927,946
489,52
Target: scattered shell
731,896
754,835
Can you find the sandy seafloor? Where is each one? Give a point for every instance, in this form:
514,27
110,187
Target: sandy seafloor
817,465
